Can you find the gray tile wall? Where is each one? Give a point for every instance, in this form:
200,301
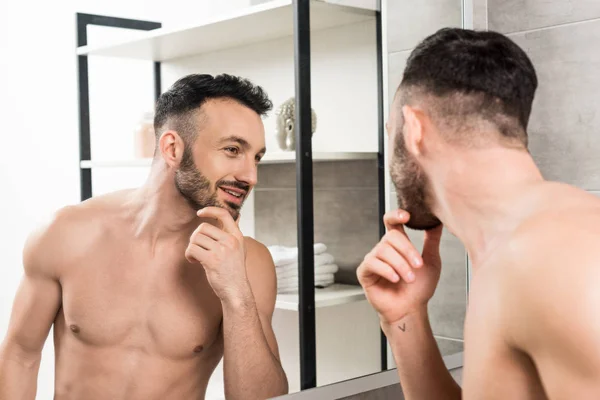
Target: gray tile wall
396,65
480,14
449,346
409,22
345,210
508,16
564,128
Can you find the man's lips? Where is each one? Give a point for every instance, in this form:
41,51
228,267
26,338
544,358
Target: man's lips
238,194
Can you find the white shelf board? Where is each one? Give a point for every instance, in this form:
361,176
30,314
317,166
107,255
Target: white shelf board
269,158
290,156
333,295
241,27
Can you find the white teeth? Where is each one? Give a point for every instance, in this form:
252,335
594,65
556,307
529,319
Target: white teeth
233,193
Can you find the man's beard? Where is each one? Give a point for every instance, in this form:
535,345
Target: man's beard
412,187
197,189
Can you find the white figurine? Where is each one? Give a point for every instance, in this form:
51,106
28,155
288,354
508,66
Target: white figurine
286,124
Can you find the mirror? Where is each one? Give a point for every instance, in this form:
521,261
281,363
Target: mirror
255,42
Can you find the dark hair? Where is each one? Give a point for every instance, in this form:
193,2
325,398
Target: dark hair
470,73
192,91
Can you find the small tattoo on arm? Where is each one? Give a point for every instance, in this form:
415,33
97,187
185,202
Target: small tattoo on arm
402,327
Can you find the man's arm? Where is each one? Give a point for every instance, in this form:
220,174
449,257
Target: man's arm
242,275
422,372
35,306
251,363
399,282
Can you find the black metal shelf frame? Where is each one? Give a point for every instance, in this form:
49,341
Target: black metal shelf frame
380,153
83,20
304,163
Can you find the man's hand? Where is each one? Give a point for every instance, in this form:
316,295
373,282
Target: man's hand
221,252
397,279
251,365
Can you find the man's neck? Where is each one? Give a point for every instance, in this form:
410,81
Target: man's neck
480,197
160,211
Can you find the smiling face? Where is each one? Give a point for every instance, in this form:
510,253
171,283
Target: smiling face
220,167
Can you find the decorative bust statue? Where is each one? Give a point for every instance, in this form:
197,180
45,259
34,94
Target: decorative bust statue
286,124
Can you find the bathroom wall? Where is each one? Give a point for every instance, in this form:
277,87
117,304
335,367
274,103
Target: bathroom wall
561,38
409,22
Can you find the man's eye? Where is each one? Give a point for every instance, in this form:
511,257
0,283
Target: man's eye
232,150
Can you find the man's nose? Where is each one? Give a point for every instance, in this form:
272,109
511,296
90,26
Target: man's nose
248,173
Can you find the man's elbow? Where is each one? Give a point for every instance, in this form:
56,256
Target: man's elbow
284,389
277,387
281,387
14,353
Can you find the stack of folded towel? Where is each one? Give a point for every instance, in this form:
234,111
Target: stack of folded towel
286,267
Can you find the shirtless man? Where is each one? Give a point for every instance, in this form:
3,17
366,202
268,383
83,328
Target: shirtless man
458,145
148,288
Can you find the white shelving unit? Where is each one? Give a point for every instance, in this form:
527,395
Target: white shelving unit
272,158
254,24
333,295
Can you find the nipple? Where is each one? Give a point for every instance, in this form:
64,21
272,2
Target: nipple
198,349
74,328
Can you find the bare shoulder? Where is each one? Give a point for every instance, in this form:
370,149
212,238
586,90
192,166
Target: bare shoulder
562,234
257,254
547,276
65,236
47,247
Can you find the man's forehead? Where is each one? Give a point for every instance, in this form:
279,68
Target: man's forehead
223,123
247,137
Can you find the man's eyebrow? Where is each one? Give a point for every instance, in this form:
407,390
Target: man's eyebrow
242,142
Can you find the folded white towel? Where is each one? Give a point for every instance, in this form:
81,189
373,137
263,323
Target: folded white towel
290,271
292,286
283,255
320,259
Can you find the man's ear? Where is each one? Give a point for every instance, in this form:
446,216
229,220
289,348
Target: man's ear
171,148
413,129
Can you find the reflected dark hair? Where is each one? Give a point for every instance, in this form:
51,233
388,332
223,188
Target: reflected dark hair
464,74
189,93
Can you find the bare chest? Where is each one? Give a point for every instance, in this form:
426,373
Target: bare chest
155,306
